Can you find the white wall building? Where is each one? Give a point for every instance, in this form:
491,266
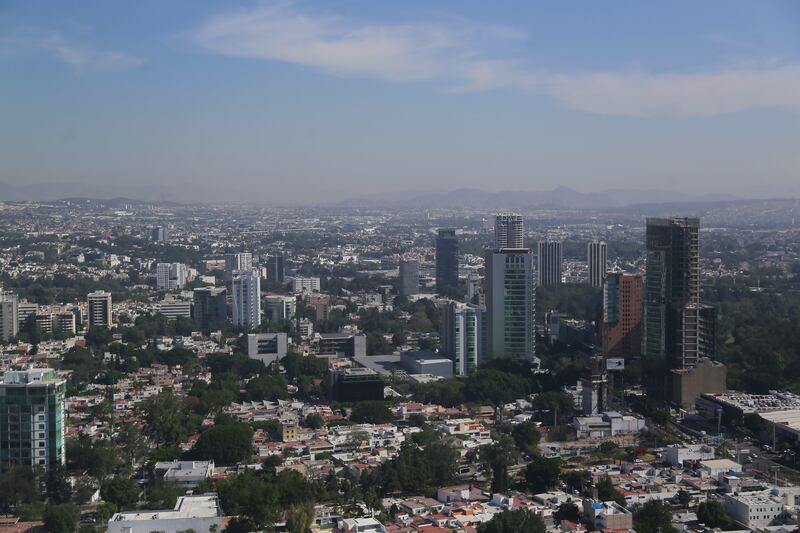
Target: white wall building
754,509
246,286
171,276
197,513
305,284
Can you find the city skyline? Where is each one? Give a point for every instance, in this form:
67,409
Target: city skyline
302,102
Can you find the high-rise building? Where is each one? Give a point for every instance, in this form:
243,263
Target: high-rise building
463,336
174,309
9,315
99,303
549,261
597,257
280,308
672,292
210,307
620,324
32,425
678,330
508,231
446,260
160,234
275,272
246,288
171,276
408,278
240,261
510,304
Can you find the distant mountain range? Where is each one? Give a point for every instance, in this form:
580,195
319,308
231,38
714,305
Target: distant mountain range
558,198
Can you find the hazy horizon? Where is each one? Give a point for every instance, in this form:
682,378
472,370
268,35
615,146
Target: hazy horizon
308,102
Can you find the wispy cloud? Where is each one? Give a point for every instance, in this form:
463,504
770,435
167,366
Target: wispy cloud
458,56
79,56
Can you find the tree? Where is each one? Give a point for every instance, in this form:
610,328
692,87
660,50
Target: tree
607,492
300,517
226,444
267,387
371,412
313,421
120,491
250,497
59,489
166,418
684,498
17,486
162,495
653,517
520,521
577,480
568,511
712,514
497,457
542,473
526,437
62,518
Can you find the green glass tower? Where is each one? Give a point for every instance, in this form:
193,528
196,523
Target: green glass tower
32,421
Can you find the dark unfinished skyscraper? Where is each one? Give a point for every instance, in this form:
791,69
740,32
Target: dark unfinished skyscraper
446,260
678,330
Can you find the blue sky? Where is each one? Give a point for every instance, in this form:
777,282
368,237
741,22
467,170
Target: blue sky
310,101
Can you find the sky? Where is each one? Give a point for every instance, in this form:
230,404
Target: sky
303,102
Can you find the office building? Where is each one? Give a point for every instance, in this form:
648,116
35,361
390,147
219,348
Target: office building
597,258
508,231
201,514
160,234
32,424
678,330
510,304
100,313
620,324
355,385
280,308
246,288
548,263
210,307
446,260
344,344
275,271
174,309
408,277
171,276
234,262
9,315
463,336
267,347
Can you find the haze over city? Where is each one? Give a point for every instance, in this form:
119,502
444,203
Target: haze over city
311,102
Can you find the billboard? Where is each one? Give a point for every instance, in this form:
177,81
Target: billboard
615,364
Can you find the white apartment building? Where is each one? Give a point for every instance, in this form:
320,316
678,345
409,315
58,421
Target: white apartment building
305,284
171,276
246,286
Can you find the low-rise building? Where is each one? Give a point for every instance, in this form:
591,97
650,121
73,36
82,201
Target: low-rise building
197,513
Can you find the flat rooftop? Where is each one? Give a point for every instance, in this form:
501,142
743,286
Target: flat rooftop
205,506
